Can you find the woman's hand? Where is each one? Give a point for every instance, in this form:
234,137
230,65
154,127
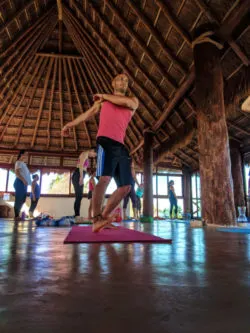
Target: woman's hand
98,97
66,130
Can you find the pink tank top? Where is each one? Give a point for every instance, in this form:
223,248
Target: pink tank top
91,187
114,121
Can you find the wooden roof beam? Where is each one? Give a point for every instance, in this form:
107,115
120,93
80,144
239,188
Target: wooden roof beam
229,24
156,35
79,102
77,64
46,82
61,100
24,8
174,21
57,55
51,102
70,101
27,32
142,44
21,99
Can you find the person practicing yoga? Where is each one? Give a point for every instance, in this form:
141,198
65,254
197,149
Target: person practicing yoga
90,193
113,160
21,183
172,199
131,195
78,178
34,194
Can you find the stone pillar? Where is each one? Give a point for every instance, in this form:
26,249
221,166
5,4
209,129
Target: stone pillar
148,177
215,165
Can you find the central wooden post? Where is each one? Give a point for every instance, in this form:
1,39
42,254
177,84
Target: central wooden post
215,164
148,177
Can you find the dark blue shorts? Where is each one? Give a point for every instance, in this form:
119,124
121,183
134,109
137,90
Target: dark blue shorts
113,160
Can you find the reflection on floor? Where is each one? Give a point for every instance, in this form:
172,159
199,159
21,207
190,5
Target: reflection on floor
199,283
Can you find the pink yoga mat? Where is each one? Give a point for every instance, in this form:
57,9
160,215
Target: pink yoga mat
83,234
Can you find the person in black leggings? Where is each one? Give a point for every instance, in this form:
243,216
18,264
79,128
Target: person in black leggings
131,194
172,199
78,177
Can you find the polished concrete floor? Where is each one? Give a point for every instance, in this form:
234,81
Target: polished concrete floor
200,283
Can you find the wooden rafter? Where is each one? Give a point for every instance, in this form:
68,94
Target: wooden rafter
157,36
25,36
79,102
141,43
21,99
57,55
61,100
70,101
78,67
44,34
51,101
173,21
39,70
49,71
16,16
226,33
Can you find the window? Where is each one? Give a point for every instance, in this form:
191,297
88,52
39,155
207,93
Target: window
162,185
177,185
247,177
112,187
196,195
11,180
154,185
3,179
35,172
163,207
55,183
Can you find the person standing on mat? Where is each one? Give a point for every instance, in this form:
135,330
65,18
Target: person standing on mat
90,194
172,199
131,195
113,160
78,178
139,194
21,183
34,194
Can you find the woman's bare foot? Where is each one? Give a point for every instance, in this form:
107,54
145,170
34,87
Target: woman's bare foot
101,222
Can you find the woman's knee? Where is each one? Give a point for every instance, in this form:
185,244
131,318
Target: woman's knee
104,180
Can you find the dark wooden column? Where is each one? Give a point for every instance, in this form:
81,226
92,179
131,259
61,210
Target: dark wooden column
148,177
214,156
187,174
237,174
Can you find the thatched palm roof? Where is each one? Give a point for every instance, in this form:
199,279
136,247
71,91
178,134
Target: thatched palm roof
56,54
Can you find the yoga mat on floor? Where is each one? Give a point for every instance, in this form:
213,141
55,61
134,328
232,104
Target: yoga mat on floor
179,221
83,234
237,230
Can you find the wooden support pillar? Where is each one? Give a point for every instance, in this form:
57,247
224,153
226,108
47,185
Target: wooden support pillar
148,177
187,174
215,165
237,174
